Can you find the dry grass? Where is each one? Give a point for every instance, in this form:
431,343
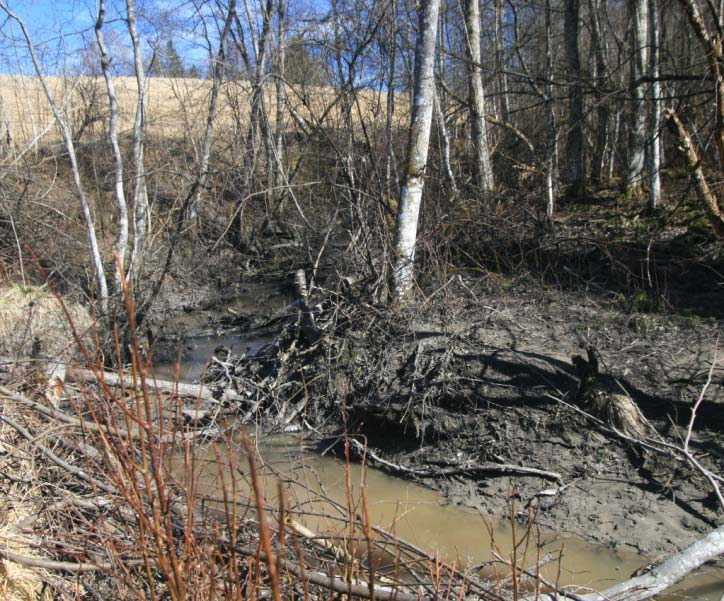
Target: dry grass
176,107
19,501
31,316
17,582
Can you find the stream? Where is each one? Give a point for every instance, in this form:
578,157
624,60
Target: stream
414,513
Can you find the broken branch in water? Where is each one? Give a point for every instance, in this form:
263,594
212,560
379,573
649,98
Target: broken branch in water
503,469
195,391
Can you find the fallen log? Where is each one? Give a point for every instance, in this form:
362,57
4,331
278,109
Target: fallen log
500,469
195,391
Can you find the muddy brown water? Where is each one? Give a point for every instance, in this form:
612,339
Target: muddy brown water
414,513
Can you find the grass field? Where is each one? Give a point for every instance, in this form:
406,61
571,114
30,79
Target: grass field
176,108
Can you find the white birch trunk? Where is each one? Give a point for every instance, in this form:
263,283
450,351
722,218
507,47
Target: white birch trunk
500,66
419,142
140,198
281,90
603,114
70,148
390,159
445,141
551,133
258,118
478,125
575,168
219,65
655,116
666,574
119,194
636,148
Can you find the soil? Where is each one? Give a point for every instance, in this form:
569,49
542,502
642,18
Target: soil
480,372
477,377
517,354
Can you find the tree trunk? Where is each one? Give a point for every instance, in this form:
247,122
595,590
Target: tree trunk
500,66
140,197
418,145
280,90
603,116
575,161
551,133
218,75
444,141
655,116
476,96
636,148
390,159
707,198
70,148
666,574
119,194
258,122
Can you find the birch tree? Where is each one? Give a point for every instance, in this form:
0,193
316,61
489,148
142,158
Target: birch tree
711,43
258,127
500,66
601,77
551,134
636,147
217,78
476,95
62,121
575,162
418,145
140,196
389,50
654,162
280,92
119,194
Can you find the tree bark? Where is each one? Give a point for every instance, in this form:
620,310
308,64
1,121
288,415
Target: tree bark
500,66
654,163
603,116
70,148
258,118
418,145
707,198
280,90
119,194
636,148
140,197
218,75
712,47
551,134
391,47
666,574
444,141
575,160
476,96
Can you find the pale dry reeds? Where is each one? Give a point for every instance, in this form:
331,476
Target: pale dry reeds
32,322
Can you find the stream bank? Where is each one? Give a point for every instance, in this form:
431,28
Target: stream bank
452,393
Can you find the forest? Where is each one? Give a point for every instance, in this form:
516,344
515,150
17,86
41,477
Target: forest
269,268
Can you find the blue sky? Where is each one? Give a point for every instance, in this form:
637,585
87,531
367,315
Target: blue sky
60,29
56,28
46,18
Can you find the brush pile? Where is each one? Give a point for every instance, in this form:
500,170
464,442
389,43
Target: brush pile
107,495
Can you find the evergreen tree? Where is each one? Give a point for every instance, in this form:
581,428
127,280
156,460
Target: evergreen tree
171,63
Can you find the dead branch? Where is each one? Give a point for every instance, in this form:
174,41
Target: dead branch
49,564
709,201
502,469
76,471
197,391
666,574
